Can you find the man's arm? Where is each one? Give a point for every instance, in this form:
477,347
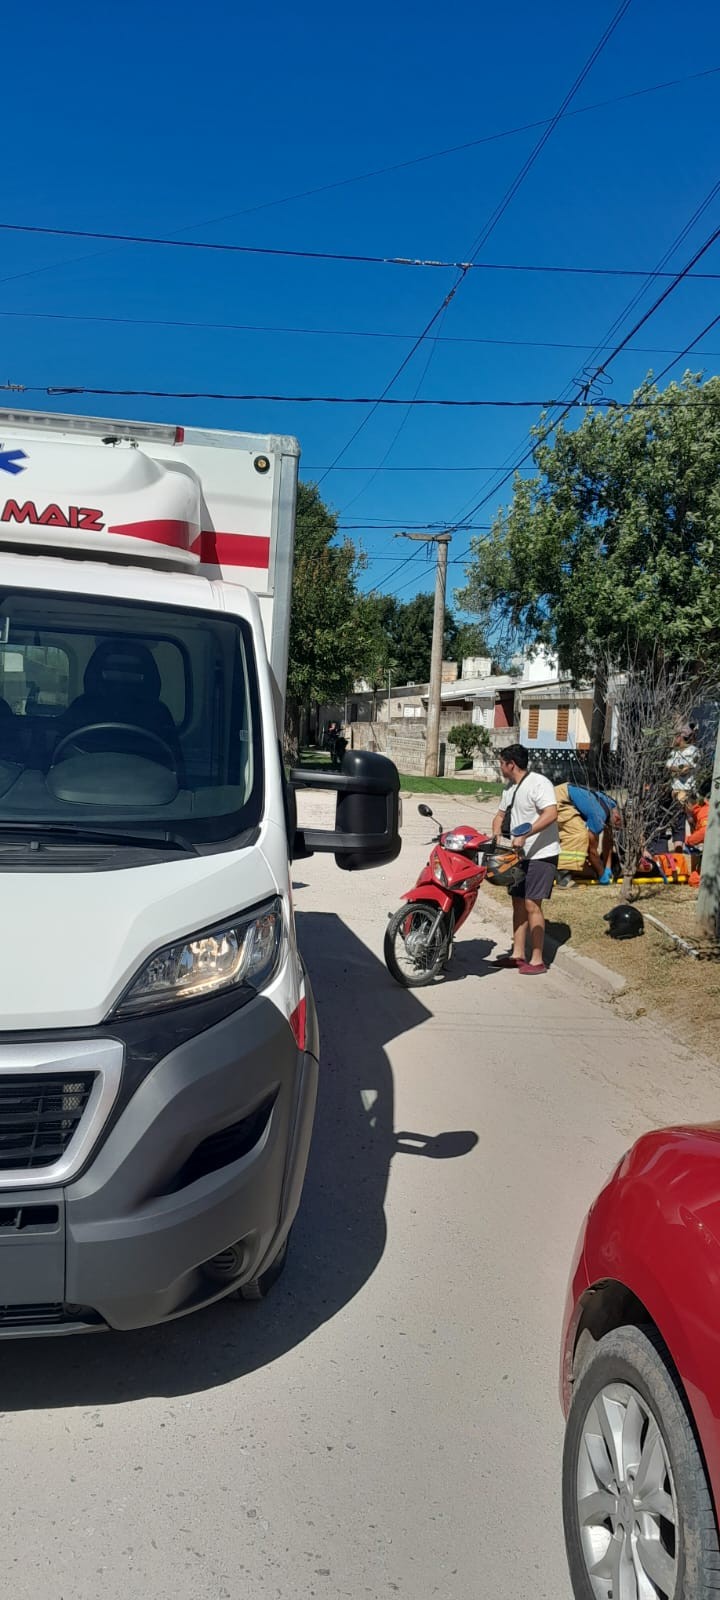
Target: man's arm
496,823
543,820
594,856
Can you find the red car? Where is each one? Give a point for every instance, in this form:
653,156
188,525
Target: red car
640,1377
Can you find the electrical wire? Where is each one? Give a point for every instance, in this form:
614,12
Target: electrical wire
398,568
567,406
687,349
602,402
455,149
397,166
294,252
598,350
332,333
401,425
517,463
488,228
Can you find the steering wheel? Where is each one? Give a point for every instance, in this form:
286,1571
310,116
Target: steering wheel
72,741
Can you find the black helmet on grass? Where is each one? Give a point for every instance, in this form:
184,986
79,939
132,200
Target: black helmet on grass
624,922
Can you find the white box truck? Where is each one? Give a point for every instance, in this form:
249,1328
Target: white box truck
158,1039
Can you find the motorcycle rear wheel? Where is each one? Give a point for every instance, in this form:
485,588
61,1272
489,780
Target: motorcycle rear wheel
414,954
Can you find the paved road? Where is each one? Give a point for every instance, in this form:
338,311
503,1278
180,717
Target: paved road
388,1423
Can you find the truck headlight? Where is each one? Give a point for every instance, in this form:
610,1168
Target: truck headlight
243,951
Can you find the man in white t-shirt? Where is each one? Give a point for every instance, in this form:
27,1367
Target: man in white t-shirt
530,800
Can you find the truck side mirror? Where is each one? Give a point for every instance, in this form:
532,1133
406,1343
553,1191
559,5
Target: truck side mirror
367,814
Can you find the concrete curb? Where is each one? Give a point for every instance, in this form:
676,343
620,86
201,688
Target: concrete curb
590,974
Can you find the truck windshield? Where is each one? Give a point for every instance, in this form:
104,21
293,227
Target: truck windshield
125,716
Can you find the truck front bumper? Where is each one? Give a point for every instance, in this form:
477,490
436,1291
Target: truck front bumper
190,1194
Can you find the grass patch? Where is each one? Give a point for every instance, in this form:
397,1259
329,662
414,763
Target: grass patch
466,786
676,990
310,757
319,760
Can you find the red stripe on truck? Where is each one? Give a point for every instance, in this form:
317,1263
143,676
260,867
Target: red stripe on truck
213,548
232,549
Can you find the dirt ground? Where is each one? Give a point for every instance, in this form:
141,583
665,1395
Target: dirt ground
662,982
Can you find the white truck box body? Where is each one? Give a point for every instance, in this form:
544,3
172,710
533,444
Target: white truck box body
184,497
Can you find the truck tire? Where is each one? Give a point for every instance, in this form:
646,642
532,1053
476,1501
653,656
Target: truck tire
637,1509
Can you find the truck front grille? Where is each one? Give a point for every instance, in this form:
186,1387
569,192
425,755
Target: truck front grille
48,1319
39,1115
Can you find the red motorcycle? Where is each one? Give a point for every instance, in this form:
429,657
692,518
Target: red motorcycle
419,936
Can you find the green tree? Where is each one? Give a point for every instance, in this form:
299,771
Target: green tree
409,635
334,630
614,545
471,640
467,737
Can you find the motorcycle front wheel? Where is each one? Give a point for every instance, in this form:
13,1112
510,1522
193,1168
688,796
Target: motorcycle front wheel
417,946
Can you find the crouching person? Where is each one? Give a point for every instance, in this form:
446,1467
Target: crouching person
586,820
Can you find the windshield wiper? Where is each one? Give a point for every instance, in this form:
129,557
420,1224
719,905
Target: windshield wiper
167,840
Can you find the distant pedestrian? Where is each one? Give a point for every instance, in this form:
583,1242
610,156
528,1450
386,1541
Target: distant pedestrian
339,746
528,813
684,762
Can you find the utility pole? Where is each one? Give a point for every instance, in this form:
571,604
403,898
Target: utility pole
708,902
432,746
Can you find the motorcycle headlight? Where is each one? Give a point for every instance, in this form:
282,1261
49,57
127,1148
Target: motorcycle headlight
244,951
439,874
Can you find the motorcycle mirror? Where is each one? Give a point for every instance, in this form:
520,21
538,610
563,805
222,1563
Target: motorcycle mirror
425,811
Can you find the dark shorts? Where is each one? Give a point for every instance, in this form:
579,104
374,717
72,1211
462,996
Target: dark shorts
538,880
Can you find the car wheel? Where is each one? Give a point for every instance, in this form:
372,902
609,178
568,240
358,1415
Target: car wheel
259,1288
639,1520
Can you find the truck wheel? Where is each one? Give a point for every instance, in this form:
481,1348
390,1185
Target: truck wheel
415,954
259,1288
639,1520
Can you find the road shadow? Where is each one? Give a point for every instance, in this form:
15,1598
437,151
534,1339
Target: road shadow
558,934
340,1233
471,958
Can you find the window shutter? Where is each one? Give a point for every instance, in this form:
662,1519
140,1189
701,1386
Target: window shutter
563,724
533,722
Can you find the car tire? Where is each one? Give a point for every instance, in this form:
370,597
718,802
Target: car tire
637,1510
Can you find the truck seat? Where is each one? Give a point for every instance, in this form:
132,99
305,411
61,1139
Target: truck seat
122,684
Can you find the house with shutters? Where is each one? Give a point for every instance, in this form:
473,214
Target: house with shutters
554,714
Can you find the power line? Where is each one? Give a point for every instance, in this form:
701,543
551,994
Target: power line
528,453
337,333
397,166
294,252
569,405
538,148
688,348
398,568
398,525
401,425
602,402
455,149
487,230
310,470
454,561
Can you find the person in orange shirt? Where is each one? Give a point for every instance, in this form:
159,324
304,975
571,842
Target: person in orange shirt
697,813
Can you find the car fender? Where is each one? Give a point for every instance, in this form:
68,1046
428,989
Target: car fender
655,1230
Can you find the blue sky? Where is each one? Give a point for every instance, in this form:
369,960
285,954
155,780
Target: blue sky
159,118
